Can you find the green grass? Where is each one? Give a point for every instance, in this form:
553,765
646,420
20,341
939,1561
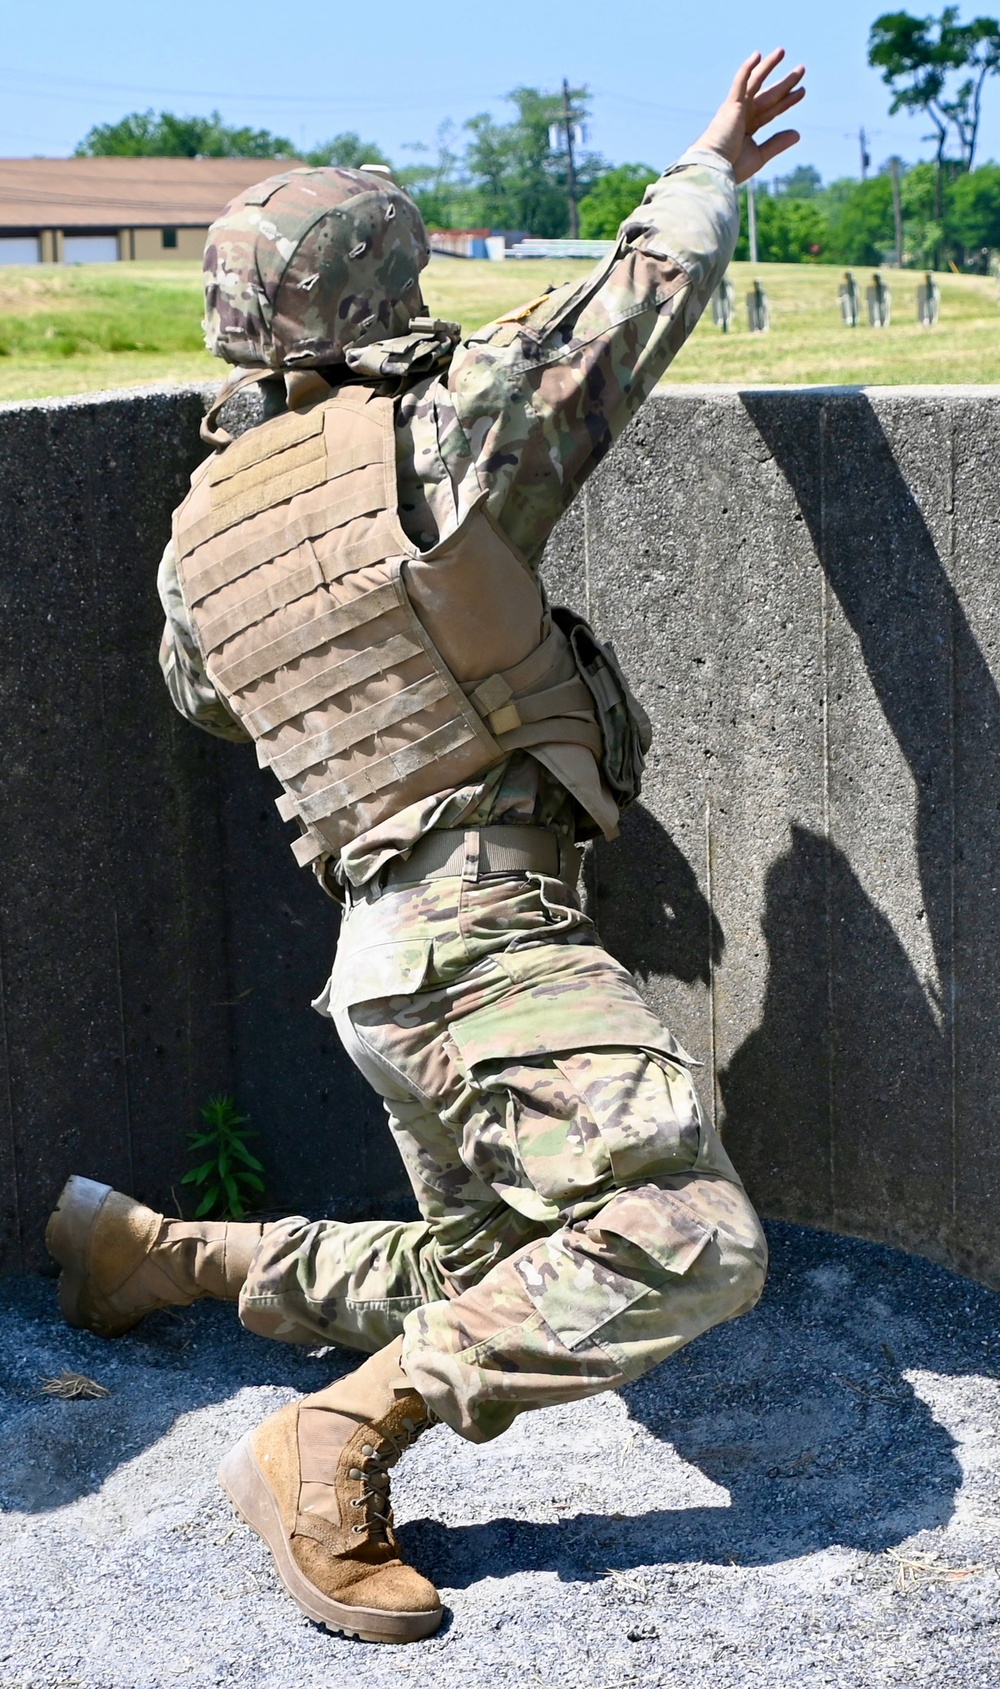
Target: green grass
71,330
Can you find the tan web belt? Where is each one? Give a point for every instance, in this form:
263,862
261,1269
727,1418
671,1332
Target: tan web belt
472,853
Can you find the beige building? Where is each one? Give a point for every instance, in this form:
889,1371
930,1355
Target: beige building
111,210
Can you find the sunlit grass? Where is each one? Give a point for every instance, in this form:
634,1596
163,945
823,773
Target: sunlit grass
79,328
808,342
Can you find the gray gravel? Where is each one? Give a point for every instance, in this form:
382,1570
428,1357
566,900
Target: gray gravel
744,1517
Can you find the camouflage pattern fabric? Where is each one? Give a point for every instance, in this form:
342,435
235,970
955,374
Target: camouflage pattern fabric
307,263
581,1219
524,410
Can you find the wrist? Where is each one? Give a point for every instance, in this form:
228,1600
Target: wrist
703,152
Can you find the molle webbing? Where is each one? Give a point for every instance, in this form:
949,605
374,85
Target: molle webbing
295,573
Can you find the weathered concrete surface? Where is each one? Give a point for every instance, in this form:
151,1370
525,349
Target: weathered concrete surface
802,584
746,1515
157,942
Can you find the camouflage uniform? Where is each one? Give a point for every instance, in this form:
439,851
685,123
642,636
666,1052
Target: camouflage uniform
580,1219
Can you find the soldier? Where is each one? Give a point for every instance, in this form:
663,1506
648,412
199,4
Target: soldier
353,584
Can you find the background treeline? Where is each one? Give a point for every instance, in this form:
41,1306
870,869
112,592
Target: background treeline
487,174
852,222
515,176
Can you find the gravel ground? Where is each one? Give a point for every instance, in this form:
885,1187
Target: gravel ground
808,1497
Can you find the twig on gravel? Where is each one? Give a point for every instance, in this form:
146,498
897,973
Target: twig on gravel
916,1571
630,1581
73,1387
888,1393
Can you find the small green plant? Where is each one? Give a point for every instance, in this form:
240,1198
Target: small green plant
230,1176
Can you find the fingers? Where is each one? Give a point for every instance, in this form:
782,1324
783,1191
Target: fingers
777,144
759,118
771,98
757,77
738,91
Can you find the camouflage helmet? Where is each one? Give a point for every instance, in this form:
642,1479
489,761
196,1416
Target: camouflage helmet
310,262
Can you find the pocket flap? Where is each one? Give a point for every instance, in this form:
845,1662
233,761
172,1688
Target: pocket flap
562,997
382,970
659,1222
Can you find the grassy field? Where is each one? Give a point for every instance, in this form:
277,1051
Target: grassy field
71,330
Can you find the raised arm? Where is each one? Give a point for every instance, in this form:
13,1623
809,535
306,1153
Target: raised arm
541,394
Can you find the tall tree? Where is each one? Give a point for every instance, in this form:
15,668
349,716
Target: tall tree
519,176
920,59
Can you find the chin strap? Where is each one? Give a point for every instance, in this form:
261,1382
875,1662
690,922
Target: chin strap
218,437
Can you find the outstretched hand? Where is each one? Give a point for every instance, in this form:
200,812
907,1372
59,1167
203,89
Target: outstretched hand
748,107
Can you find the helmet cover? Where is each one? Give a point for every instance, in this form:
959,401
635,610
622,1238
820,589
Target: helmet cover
310,262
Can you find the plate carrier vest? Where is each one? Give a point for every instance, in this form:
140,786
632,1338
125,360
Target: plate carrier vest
370,674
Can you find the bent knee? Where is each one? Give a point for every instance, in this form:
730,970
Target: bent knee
741,1253
744,1270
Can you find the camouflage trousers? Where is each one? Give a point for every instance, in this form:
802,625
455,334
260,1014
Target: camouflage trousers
581,1220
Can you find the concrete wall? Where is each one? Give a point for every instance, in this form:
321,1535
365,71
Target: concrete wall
801,583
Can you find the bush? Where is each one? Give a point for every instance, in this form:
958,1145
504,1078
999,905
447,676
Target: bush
612,198
789,231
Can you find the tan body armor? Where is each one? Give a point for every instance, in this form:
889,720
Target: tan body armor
370,674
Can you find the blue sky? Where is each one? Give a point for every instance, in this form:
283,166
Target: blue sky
656,73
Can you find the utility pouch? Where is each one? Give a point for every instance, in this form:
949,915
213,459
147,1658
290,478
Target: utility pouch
626,733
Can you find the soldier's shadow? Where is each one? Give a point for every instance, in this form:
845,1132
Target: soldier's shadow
645,896
799,1414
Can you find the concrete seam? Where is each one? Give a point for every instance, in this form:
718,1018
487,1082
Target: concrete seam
709,890
92,528
8,1087
953,841
827,830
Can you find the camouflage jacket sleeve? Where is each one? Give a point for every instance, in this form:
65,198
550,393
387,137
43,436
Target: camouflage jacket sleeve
538,397
190,689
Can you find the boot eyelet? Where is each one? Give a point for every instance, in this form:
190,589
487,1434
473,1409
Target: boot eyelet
358,1530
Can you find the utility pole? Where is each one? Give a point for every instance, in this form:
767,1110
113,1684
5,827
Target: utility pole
866,156
897,211
568,121
752,220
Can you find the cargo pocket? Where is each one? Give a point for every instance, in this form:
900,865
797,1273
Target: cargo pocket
643,1106
588,1276
659,1222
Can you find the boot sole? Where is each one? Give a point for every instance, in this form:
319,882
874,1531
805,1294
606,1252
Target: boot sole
68,1238
257,1505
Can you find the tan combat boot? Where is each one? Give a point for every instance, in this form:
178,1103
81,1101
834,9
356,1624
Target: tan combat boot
120,1260
313,1481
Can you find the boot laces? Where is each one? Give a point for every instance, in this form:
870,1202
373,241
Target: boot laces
374,1475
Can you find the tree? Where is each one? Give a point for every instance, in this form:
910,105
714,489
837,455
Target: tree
789,231
436,182
519,180
804,182
612,198
919,59
975,213
145,134
859,217
348,150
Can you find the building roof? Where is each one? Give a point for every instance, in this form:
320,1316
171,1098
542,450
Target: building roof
113,193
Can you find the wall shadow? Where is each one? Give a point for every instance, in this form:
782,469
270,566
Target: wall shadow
645,897
846,1110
